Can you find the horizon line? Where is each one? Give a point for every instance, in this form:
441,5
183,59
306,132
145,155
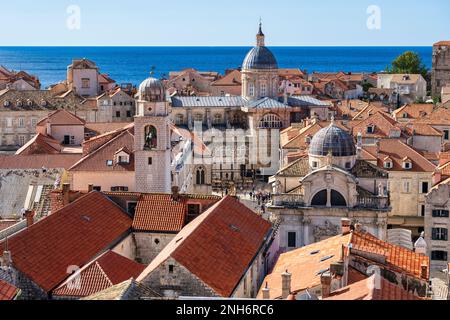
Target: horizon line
211,46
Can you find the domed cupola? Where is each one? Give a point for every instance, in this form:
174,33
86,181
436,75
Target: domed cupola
259,71
333,142
152,90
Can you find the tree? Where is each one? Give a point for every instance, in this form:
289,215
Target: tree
408,62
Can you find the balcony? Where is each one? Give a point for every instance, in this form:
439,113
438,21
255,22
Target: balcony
288,200
373,202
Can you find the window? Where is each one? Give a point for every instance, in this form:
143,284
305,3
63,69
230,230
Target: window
292,239
440,234
440,213
123,159
109,163
150,161
131,207
198,117
33,122
251,89
388,164
406,186
171,267
217,118
263,89
85,83
117,114
21,140
97,188
424,187
407,165
116,189
179,119
128,114
150,138
348,165
370,129
200,176
446,134
21,122
193,211
439,255
422,210
270,121
315,164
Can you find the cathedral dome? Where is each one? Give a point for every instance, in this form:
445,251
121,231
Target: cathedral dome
151,89
332,139
260,57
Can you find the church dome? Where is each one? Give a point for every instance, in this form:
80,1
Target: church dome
332,139
151,89
260,57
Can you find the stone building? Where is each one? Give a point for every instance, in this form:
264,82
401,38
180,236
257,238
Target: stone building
313,193
408,88
440,76
437,224
231,263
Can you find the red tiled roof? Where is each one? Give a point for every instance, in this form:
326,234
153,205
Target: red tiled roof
442,43
7,291
218,246
367,290
5,224
50,161
108,270
40,144
383,126
397,150
160,213
72,236
62,117
397,258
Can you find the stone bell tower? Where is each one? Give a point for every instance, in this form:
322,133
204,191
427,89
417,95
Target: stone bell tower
152,138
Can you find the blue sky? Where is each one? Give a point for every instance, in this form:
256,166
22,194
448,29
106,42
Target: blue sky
226,22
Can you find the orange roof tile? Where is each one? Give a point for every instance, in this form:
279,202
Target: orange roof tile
62,117
50,161
7,291
397,150
234,236
383,126
72,236
107,270
5,224
366,289
160,213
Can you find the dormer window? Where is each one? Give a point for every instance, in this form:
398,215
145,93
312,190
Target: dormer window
405,115
6,103
388,164
122,156
370,128
407,164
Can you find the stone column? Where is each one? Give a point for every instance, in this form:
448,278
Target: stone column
306,223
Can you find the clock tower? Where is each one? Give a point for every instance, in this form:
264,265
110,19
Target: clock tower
152,139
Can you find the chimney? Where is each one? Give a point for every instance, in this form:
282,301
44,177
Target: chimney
325,280
266,292
286,278
66,194
29,216
6,259
90,187
345,226
424,271
175,193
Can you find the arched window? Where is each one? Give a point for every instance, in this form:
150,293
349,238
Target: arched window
217,118
251,89
337,199
263,89
270,121
150,138
320,199
200,176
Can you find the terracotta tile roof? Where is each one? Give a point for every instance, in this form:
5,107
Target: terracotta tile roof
442,43
234,236
440,116
62,117
231,79
50,161
98,128
384,126
307,263
72,236
367,290
107,270
7,291
298,137
97,160
397,150
398,259
371,109
40,144
354,275
420,129
160,213
127,290
298,168
406,78
414,111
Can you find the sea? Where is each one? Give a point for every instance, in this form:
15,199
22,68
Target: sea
134,64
